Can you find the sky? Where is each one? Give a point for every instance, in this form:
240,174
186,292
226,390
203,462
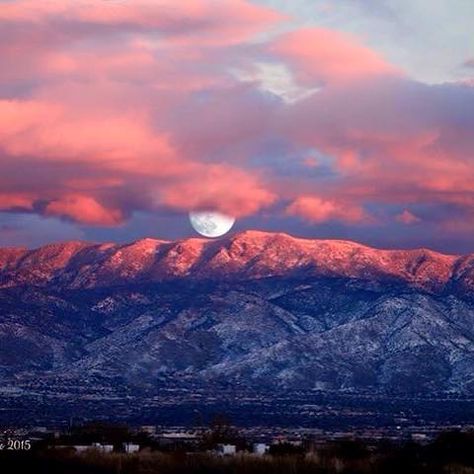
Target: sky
347,119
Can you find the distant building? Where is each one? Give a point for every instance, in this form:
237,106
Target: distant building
286,440
260,448
226,449
77,448
81,448
148,429
104,448
131,448
179,435
177,439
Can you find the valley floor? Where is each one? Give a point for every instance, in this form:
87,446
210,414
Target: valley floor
318,413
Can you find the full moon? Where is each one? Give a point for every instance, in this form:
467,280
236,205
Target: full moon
211,224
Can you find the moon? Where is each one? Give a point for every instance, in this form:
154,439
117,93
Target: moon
211,224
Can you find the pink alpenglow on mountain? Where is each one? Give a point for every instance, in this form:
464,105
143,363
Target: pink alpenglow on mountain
248,255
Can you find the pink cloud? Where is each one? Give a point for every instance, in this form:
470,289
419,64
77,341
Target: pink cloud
324,56
208,20
16,201
393,141
61,131
17,116
316,209
221,188
114,107
84,209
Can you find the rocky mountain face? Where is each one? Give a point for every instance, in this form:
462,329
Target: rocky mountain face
256,310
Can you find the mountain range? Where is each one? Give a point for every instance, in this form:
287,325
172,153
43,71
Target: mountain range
256,310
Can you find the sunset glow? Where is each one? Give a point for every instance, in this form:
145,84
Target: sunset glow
116,111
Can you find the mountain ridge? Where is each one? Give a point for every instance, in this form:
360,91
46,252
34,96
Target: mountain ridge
245,255
254,310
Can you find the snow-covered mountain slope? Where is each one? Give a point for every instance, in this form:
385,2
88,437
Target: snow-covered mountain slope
254,310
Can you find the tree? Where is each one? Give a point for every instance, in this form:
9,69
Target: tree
221,431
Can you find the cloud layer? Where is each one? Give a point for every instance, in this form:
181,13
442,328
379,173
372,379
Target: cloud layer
108,109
